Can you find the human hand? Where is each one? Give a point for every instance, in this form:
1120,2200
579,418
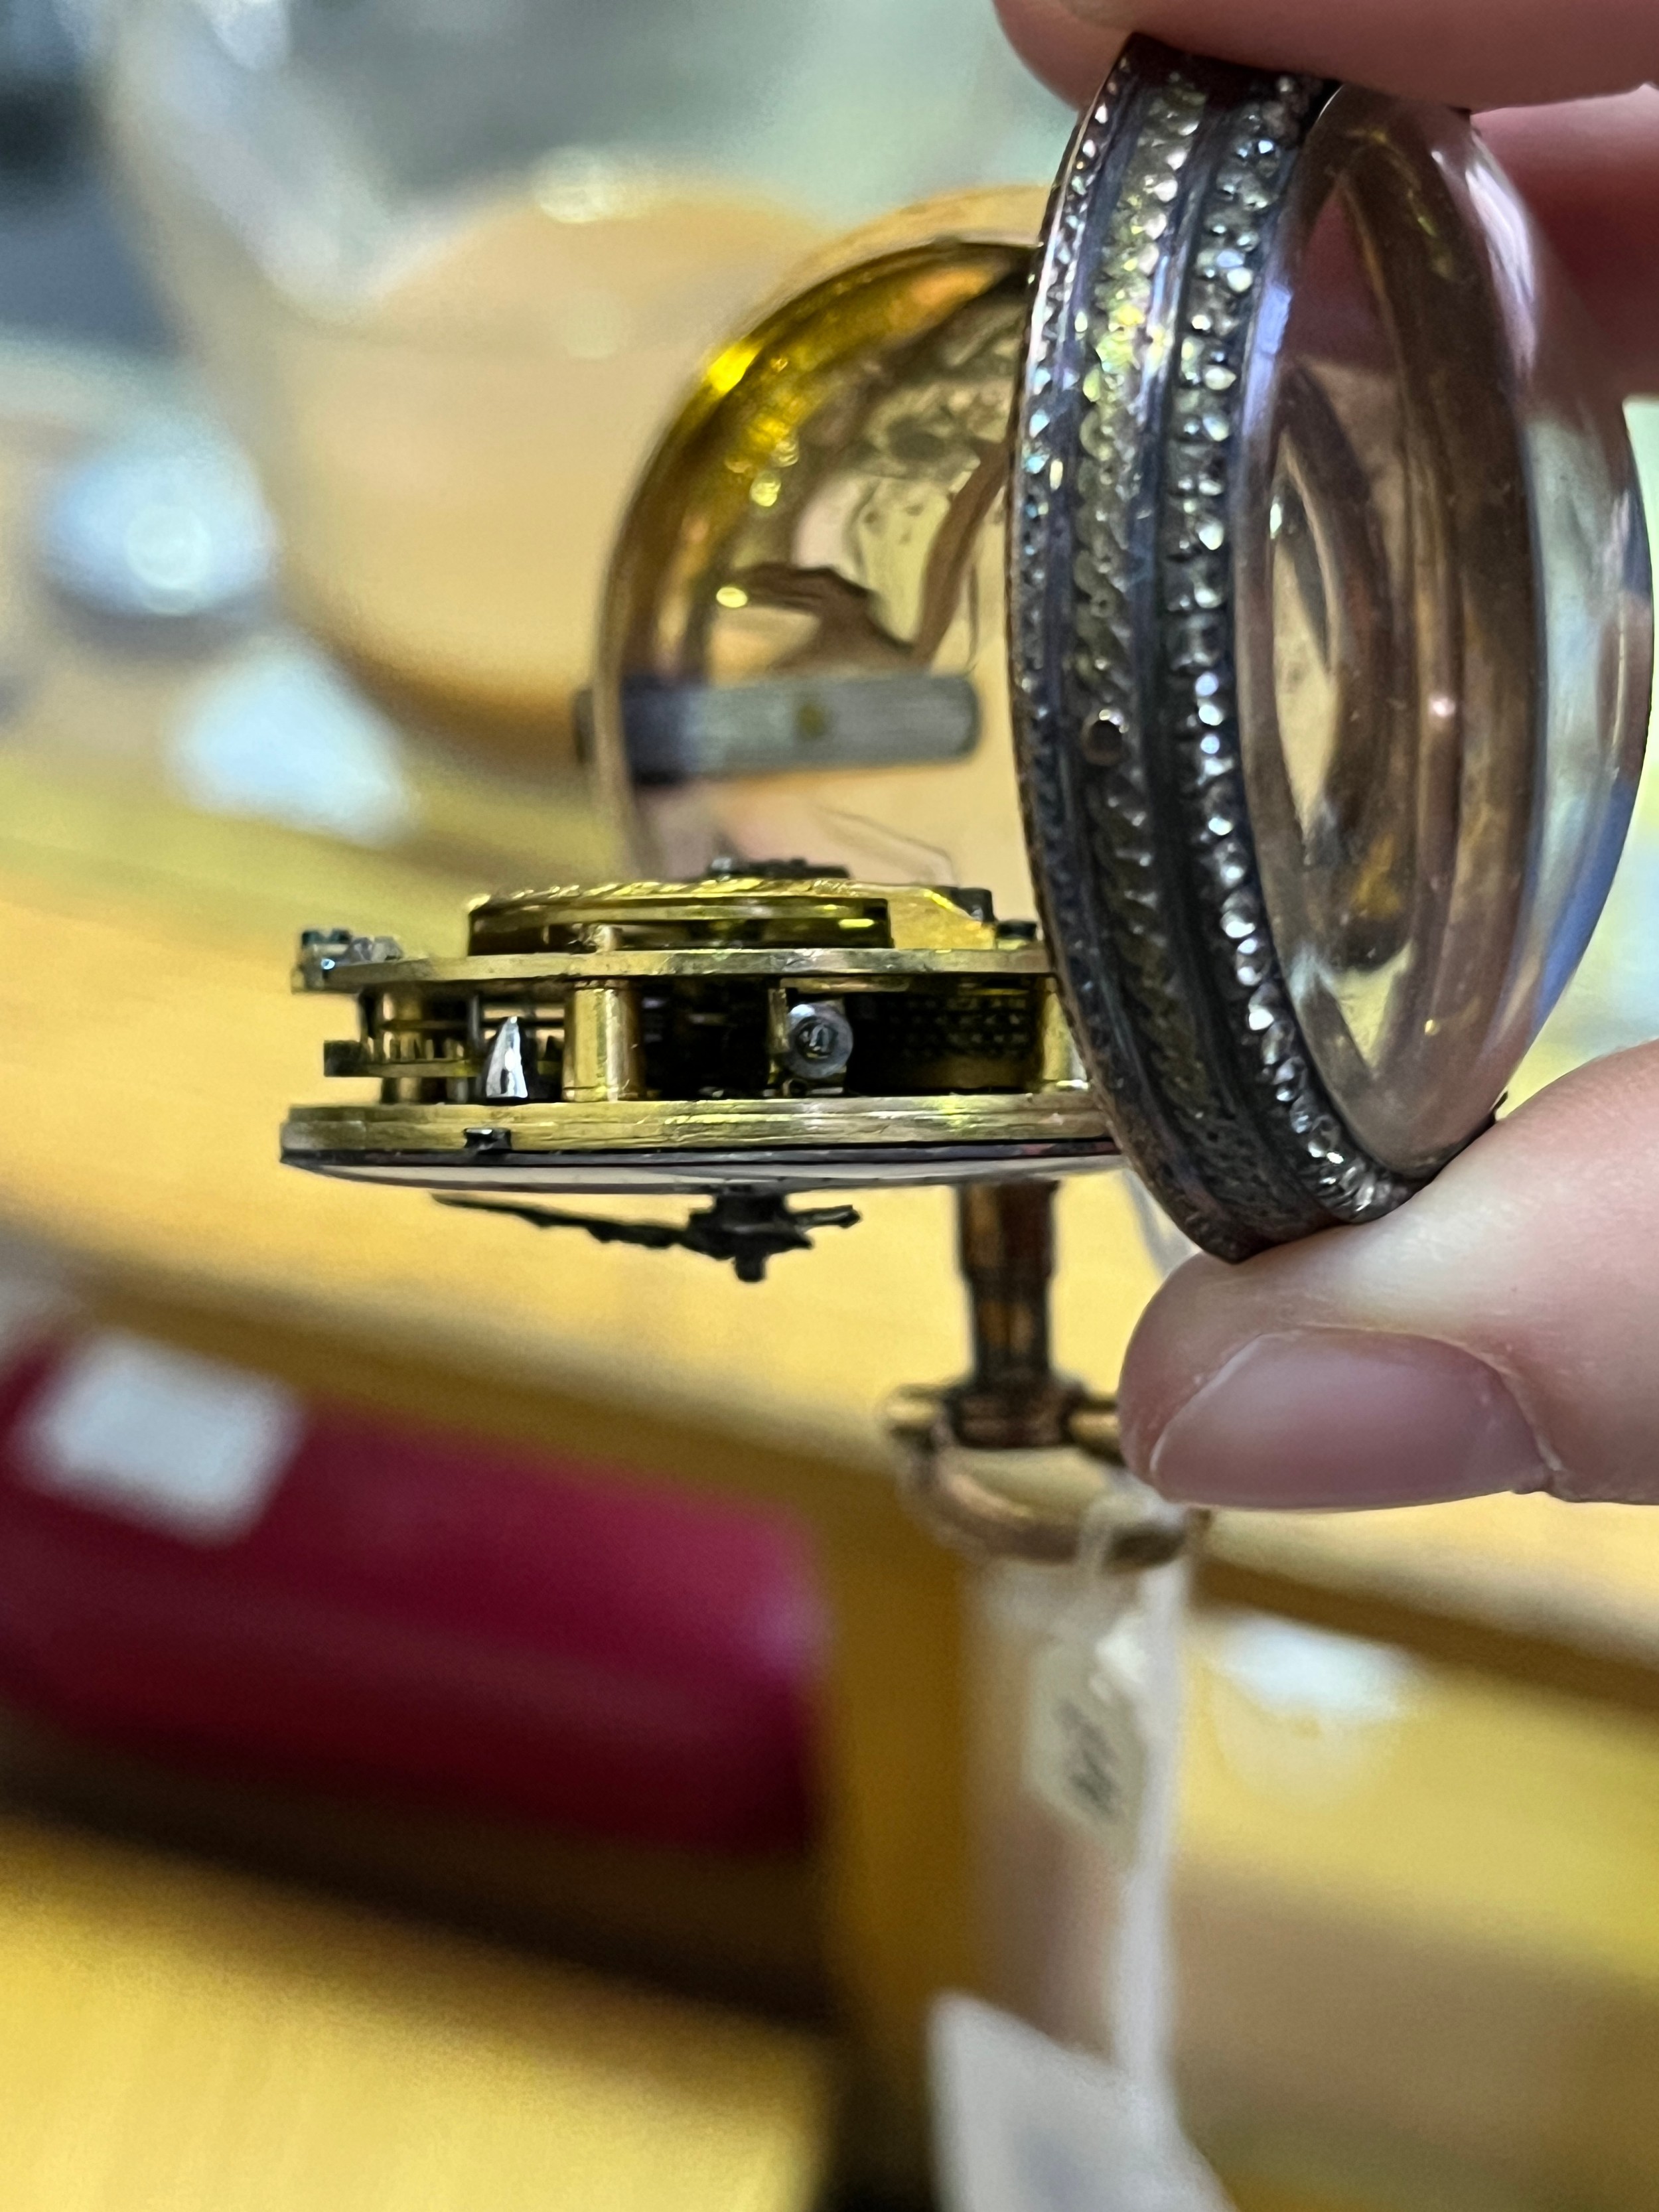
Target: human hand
1587,163
1501,1331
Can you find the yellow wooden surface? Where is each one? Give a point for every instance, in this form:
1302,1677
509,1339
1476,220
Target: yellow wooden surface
736,1928
1419,1937
147,1047
1467,1811
177,2040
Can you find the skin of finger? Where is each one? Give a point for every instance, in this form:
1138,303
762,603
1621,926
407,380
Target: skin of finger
1471,53
1589,172
1070,55
1589,169
1537,1250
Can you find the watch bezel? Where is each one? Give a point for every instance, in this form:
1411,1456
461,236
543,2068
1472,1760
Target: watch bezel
1169,221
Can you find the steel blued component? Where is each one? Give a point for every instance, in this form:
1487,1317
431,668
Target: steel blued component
747,1228
776,1032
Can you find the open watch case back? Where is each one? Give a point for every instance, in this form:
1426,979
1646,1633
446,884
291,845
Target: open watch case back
1266,537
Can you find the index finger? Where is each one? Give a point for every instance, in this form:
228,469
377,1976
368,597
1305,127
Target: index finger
1589,167
1469,53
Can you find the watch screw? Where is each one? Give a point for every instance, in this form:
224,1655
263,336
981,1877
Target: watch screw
817,1040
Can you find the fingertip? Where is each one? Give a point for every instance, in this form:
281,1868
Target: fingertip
1071,56
1493,1333
1321,1420
1589,169
1189,1327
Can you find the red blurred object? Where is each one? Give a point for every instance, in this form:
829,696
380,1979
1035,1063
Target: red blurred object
407,1612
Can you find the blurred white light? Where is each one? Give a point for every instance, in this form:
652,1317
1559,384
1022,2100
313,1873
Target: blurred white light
253,32
282,736
163,1437
1308,1674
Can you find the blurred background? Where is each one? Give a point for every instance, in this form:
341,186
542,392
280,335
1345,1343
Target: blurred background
476,1727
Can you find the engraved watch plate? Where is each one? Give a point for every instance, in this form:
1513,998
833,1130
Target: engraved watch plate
1330,633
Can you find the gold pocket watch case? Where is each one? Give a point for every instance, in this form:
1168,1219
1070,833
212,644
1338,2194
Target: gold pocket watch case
1265,530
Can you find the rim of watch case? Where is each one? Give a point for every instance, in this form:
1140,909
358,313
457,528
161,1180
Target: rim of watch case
1137,543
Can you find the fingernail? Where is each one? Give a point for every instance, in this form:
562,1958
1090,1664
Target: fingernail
1339,1417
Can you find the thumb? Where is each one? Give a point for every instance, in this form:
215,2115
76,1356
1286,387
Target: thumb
1500,1332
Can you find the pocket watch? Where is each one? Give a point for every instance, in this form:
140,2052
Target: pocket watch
1164,683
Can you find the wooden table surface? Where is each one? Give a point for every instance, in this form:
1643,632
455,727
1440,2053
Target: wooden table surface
175,2036
148,1047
